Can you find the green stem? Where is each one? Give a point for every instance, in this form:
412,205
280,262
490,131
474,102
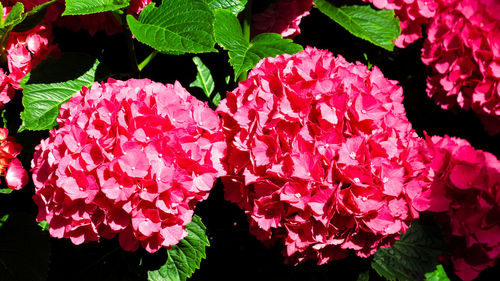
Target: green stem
247,22
131,48
145,62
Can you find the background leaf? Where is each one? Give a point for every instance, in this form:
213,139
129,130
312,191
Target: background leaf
24,249
185,257
86,7
411,257
15,15
437,275
244,55
235,6
380,27
51,84
33,17
175,27
204,78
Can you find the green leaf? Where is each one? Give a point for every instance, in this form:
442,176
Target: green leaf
3,219
175,27
185,257
86,7
216,99
204,78
364,276
15,15
411,257
437,275
44,225
6,190
235,6
33,17
379,27
51,84
24,249
244,55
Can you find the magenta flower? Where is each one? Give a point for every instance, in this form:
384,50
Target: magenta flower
465,194
321,156
463,50
15,175
282,17
129,157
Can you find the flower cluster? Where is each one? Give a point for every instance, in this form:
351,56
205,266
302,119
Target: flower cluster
412,14
130,157
466,190
463,50
321,156
16,176
282,17
24,50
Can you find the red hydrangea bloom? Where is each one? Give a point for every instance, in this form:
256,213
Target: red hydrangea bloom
463,50
282,17
466,192
6,90
412,14
130,157
15,175
322,157
24,50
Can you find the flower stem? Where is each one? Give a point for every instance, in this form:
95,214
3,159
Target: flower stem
131,47
247,22
145,62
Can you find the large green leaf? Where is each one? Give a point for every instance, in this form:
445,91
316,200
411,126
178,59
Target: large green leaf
86,7
33,17
380,27
437,275
175,27
185,257
411,257
51,84
235,6
244,55
24,249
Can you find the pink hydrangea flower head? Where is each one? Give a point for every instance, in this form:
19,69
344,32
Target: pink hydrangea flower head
463,50
6,90
412,14
282,17
465,194
322,157
15,175
129,157
24,50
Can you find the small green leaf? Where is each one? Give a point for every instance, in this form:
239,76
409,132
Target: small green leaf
437,275
216,99
24,249
204,78
33,17
44,225
185,257
3,219
364,276
15,15
2,22
175,27
244,55
6,190
51,84
379,27
235,6
411,257
86,7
